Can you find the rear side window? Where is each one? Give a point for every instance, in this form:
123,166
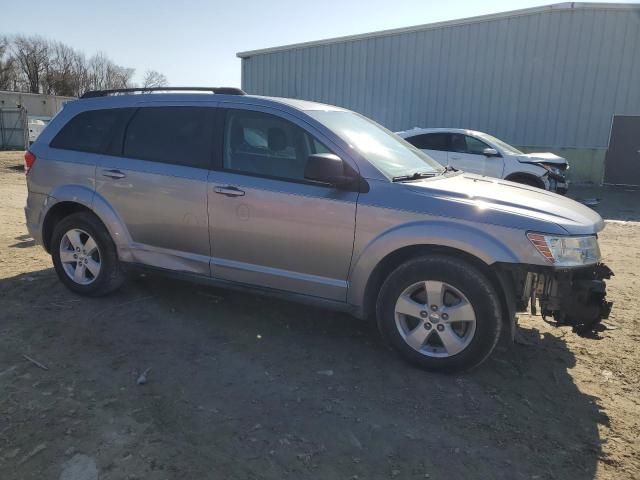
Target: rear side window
176,135
90,131
430,141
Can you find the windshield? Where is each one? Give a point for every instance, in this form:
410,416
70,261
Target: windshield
500,144
386,151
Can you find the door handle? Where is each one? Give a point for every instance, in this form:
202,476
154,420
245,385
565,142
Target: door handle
455,158
230,191
113,174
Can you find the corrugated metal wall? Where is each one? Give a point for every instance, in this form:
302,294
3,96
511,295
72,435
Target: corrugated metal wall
550,78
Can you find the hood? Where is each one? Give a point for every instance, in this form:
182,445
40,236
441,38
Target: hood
485,199
543,157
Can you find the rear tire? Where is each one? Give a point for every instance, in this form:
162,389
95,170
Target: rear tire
453,328
84,255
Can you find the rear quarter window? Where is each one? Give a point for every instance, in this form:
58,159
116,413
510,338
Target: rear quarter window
90,131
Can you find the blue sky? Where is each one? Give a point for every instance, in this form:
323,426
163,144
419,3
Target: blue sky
195,42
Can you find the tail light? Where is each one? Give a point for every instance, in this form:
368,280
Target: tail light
29,160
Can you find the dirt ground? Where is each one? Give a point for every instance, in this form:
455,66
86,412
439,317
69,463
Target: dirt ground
243,387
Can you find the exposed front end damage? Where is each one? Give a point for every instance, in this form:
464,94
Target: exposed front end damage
575,297
556,183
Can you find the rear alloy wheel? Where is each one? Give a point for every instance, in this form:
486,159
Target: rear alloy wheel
80,256
439,312
84,256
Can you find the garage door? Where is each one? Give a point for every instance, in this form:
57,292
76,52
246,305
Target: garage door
622,164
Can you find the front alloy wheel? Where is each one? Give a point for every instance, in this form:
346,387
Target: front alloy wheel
435,319
440,312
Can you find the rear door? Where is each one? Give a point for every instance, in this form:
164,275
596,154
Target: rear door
156,180
467,154
269,226
436,145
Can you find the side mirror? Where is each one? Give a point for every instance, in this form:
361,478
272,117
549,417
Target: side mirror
326,168
490,152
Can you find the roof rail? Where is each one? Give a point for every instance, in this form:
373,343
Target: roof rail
216,90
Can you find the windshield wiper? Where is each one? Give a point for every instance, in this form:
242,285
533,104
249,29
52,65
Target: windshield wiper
413,176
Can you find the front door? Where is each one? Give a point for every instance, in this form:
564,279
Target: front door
157,183
269,226
466,154
622,165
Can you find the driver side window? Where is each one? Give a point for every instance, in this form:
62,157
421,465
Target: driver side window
467,144
263,144
475,146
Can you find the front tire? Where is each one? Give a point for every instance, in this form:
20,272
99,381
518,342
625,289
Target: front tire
84,255
440,313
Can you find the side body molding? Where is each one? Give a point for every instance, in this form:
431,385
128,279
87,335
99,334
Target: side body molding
451,234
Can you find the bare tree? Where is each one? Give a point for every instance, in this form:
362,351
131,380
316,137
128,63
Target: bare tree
97,72
36,65
7,66
63,71
152,78
82,74
31,54
103,74
120,77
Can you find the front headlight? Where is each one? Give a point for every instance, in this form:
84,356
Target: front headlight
566,251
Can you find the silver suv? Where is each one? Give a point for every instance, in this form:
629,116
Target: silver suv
312,202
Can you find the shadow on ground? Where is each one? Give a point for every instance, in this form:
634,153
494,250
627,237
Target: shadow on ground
24,241
242,386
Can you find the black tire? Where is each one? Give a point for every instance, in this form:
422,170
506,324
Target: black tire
110,277
464,277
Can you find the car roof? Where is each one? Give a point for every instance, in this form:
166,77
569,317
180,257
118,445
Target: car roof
134,99
300,104
418,131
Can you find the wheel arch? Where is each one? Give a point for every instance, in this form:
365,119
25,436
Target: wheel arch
526,178
397,257
56,213
74,198
500,280
479,250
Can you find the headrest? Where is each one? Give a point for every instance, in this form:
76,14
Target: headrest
277,139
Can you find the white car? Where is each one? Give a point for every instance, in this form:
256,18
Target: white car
36,126
481,153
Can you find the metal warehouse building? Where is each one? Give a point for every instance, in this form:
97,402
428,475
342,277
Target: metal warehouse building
547,78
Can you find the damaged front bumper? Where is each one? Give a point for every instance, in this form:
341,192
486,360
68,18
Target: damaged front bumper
556,182
575,297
